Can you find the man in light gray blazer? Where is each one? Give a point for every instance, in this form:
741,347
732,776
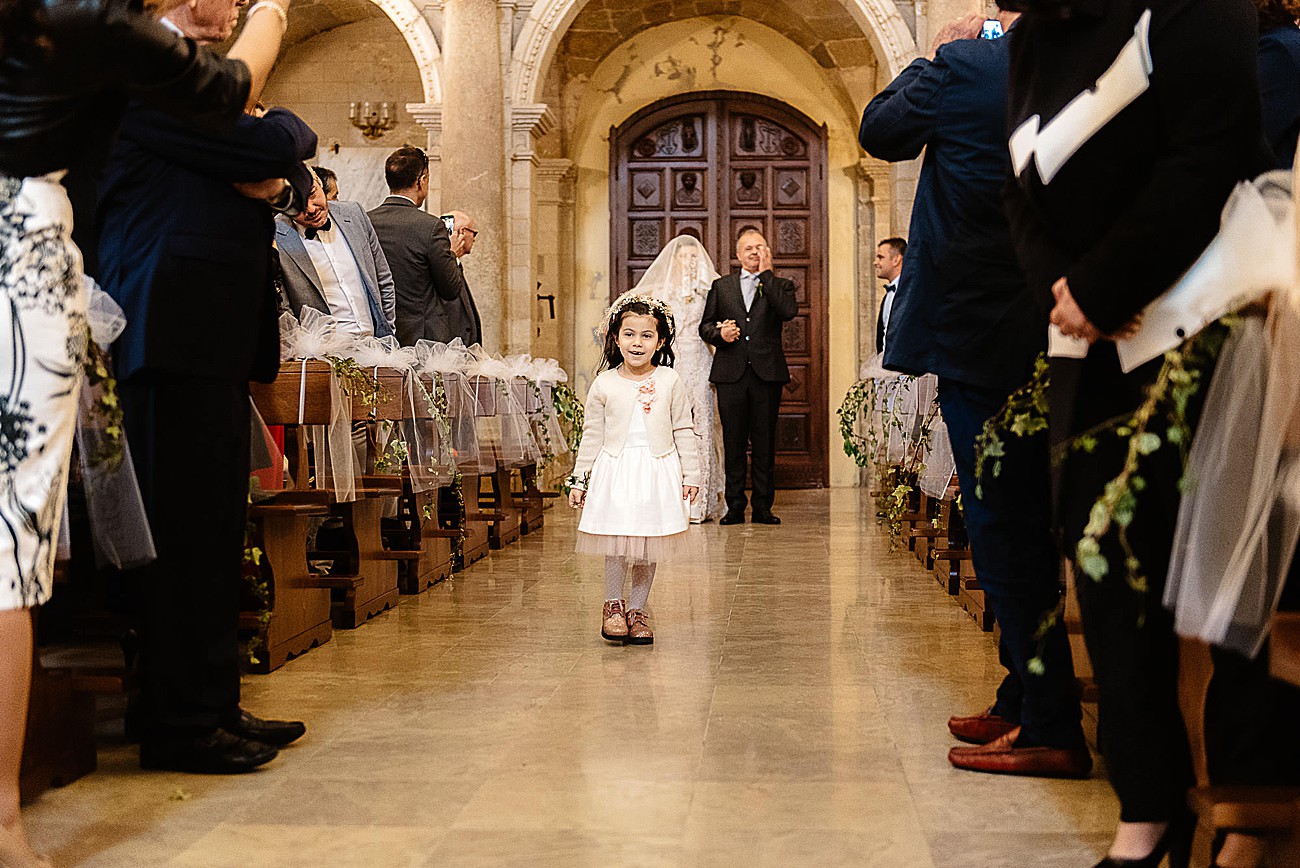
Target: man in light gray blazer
330,260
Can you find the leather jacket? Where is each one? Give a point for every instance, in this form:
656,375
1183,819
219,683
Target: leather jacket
66,73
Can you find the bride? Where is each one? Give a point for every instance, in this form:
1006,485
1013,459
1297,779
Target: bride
682,275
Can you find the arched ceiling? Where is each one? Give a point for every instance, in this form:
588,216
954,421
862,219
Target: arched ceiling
823,28
308,18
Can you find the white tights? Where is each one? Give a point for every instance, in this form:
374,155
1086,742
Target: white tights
643,576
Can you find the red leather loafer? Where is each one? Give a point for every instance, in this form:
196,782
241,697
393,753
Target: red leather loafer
980,728
1002,757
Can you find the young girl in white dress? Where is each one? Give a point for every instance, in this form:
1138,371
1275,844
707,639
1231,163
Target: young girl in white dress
637,471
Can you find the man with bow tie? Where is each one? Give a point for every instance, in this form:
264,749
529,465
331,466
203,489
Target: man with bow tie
889,266
743,316
330,260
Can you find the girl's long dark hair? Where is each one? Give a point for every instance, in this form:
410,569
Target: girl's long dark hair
613,357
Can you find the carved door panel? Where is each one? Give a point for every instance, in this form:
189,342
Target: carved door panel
713,165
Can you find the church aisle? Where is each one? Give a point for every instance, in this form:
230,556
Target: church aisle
790,713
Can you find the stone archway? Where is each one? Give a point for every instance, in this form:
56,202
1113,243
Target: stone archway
311,18
549,21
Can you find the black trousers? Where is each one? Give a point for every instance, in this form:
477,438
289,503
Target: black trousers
748,409
190,441
1015,555
1129,634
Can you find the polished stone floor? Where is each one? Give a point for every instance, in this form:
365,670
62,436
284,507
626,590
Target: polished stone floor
790,713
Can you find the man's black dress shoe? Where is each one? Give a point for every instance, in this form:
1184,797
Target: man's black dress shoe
217,753
732,518
276,733
765,518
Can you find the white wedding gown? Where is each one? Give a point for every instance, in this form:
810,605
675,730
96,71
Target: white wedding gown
682,275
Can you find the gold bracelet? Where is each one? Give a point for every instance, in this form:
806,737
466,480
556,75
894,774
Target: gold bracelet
274,7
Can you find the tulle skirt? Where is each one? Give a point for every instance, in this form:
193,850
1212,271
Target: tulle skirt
634,508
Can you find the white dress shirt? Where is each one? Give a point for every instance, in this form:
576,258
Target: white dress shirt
748,287
340,280
891,292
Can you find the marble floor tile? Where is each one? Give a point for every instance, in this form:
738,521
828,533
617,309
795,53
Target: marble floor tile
791,713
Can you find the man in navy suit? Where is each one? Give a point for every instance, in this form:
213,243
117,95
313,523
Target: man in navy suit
964,313
189,258
743,316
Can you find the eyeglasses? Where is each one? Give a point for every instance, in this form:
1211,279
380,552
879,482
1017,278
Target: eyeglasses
473,232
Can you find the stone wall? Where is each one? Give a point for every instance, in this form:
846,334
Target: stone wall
366,60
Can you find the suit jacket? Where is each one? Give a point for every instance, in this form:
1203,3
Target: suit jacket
759,344
429,283
301,286
1279,89
187,257
962,309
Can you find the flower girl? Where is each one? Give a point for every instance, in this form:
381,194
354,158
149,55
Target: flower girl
637,470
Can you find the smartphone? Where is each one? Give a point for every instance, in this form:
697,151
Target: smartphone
450,222
992,30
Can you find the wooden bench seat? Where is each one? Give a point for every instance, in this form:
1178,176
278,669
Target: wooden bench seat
300,608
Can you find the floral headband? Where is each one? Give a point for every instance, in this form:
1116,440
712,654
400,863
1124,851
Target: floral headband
630,298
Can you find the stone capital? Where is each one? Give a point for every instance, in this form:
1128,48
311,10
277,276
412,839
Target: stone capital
537,119
877,174
555,179
427,115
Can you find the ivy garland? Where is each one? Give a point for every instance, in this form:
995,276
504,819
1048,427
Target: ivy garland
1024,414
859,403
358,382
260,590
109,451
573,415
1180,379
540,419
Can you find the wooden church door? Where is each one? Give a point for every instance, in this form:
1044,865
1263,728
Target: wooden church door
713,165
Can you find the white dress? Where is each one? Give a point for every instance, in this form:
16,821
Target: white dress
634,507
43,313
682,275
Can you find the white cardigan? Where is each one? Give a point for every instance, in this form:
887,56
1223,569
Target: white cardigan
611,402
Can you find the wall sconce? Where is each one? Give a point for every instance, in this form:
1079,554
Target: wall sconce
372,122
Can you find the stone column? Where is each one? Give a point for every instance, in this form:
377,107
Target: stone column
473,151
554,255
429,116
528,123
874,224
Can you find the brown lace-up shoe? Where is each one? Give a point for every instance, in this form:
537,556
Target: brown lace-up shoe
613,621
638,629
979,728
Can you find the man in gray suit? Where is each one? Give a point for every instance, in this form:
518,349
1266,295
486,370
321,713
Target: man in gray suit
330,260
423,254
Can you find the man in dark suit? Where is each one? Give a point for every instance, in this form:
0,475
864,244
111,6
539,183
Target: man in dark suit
189,259
964,313
889,267
419,249
742,317
330,260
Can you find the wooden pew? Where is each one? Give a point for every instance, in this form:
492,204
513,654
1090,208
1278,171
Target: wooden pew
300,609
418,528
367,583
60,740
475,539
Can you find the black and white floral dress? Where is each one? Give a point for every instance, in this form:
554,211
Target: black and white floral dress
42,344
